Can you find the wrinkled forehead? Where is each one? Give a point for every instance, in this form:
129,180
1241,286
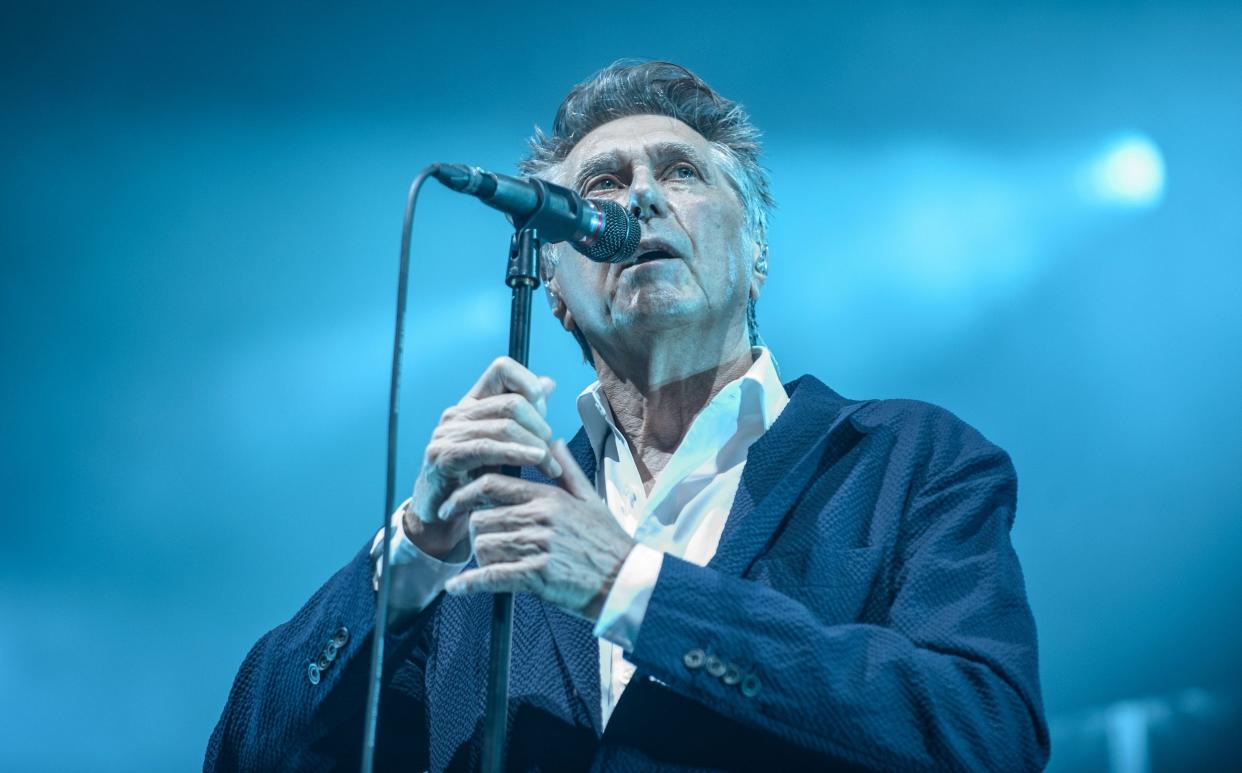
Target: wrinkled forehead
648,138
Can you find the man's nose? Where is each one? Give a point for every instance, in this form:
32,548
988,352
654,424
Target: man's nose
646,197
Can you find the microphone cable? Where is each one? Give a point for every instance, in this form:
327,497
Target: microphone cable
371,715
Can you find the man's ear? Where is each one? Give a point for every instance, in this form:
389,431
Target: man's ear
559,309
759,269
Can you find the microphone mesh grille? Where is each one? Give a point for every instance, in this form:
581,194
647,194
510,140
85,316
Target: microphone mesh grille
621,235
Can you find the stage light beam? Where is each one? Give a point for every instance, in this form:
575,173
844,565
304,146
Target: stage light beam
1130,172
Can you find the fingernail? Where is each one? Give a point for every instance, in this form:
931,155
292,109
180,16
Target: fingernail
443,512
555,467
453,588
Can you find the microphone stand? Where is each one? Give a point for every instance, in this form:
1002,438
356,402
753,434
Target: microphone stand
523,277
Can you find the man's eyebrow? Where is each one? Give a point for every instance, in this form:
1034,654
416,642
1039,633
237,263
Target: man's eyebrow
596,164
678,151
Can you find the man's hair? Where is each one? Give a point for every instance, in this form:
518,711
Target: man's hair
630,87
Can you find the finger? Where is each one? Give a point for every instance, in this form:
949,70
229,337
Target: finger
454,458
498,578
549,386
510,406
465,422
507,375
504,430
550,466
487,491
510,519
574,480
508,547
510,431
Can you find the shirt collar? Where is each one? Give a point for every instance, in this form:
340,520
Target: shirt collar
762,393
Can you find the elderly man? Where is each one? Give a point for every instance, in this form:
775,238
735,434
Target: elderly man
719,571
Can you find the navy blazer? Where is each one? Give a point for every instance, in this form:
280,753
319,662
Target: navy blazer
864,610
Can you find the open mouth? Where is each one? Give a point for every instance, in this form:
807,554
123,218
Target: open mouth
651,256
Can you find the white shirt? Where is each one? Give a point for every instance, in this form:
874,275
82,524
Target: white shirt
683,516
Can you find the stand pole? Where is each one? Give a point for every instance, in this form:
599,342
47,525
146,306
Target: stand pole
523,277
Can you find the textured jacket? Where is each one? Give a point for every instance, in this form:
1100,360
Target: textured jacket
865,610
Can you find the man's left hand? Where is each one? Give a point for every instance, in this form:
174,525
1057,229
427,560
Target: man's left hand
560,544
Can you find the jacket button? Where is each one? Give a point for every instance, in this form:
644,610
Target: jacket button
715,666
341,637
312,673
323,661
750,686
693,659
329,653
732,674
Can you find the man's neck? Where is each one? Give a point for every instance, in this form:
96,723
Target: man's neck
656,395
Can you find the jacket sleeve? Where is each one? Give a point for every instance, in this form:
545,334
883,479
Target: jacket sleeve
297,702
948,682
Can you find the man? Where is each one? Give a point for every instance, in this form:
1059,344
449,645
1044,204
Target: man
719,571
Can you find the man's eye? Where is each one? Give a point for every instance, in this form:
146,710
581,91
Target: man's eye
684,172
602,184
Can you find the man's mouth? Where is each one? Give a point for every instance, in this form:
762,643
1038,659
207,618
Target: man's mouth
650,255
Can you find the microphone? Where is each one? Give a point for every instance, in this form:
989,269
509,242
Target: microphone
602,230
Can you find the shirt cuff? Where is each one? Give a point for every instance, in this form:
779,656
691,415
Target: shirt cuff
626,603
417,578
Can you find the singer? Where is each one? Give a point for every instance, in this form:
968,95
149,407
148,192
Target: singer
720,571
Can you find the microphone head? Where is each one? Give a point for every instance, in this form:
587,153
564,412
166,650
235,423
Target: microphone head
618,238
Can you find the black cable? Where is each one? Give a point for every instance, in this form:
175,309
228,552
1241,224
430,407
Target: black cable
371,717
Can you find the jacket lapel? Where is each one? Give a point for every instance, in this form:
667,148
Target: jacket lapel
575,641
778,466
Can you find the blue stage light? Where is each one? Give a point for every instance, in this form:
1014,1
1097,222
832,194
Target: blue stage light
1130,172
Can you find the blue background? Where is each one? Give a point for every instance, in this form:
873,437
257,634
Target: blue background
200,219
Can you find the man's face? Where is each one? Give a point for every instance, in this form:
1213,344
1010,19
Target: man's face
695,265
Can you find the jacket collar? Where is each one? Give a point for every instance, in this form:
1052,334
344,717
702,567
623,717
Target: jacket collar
778,467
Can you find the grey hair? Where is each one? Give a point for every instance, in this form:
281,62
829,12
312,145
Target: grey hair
634,87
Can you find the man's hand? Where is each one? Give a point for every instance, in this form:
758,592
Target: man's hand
560,544
499,422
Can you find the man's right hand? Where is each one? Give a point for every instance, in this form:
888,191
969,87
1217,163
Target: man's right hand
500,422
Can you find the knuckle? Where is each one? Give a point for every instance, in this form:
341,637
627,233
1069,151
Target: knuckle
491,483
459,458
485,549
506,430
540,538
435,452
541,564
450,454
514,431
511,403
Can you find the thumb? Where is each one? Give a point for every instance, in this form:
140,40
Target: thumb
573,479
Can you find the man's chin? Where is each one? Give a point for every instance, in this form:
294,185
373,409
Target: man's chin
657,312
